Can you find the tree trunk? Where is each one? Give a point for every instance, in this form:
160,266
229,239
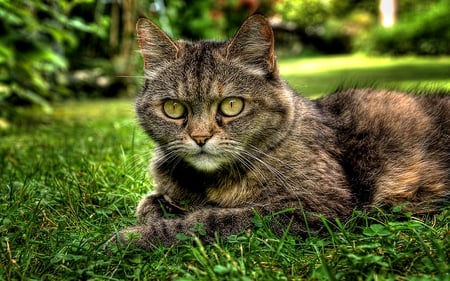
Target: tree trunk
388,12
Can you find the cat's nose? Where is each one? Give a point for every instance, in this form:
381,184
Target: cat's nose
200,139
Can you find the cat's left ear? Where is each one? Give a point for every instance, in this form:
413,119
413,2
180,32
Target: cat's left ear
157,47
253,45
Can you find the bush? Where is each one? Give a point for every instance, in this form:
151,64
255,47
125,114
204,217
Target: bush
327,27
35,37
425,33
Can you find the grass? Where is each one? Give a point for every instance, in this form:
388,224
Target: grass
70,179
316,77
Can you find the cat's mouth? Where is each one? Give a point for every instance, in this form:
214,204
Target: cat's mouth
206,161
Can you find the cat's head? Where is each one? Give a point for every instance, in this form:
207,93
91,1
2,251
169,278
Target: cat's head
212,104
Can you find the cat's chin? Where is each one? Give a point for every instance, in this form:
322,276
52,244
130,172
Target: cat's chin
206,162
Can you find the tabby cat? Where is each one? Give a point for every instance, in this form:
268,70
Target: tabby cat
233,140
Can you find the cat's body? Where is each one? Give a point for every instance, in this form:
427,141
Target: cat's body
234,140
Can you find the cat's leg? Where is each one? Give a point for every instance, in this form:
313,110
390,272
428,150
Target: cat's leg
156,206
205,223
211,222
153,208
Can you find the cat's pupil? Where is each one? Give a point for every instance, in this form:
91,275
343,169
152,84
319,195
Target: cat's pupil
232,106
174,109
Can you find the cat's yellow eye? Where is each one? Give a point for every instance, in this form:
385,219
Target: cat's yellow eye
231,106
174,109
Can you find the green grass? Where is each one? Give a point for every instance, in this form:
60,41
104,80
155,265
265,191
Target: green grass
70,179
315,77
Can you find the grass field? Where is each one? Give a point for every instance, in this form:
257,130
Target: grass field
70,179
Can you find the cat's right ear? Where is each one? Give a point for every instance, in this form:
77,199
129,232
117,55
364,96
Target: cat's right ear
156,46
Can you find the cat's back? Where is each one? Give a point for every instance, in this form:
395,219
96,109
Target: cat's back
395,147
392,116
382,111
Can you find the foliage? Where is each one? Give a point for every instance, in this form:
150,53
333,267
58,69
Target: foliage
195,20
35,37
327,26
71,179
305,13
343,8
208,19
338,26
423,32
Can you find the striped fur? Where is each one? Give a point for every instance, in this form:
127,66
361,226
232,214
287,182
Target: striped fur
281,154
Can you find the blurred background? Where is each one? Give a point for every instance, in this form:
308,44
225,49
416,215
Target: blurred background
57,50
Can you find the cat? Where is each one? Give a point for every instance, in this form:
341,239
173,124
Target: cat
234,141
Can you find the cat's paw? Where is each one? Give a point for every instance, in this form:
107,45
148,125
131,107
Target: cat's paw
129,237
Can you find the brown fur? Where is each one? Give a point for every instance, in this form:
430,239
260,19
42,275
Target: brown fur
281,153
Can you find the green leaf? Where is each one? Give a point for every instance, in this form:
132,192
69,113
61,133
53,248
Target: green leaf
220,269
5,91
6,55
8,17
376,230
183,237
32,97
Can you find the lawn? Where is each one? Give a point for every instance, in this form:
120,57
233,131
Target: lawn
70,179
315,77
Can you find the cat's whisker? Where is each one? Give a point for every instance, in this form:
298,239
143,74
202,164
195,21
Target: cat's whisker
131,76
241,152
285,180
166,153
272,157
248,164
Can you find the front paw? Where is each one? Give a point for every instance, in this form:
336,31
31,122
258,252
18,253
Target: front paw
133,236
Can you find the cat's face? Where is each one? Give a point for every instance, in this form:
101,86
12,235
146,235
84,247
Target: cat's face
212,104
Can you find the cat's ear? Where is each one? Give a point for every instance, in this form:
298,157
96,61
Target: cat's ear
157,47
253,45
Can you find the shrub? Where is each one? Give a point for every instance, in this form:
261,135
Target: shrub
35,37
326,26
424,33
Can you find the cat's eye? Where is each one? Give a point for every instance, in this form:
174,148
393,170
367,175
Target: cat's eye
231,106
174,109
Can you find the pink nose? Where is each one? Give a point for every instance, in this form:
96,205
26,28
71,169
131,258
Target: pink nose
200,140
